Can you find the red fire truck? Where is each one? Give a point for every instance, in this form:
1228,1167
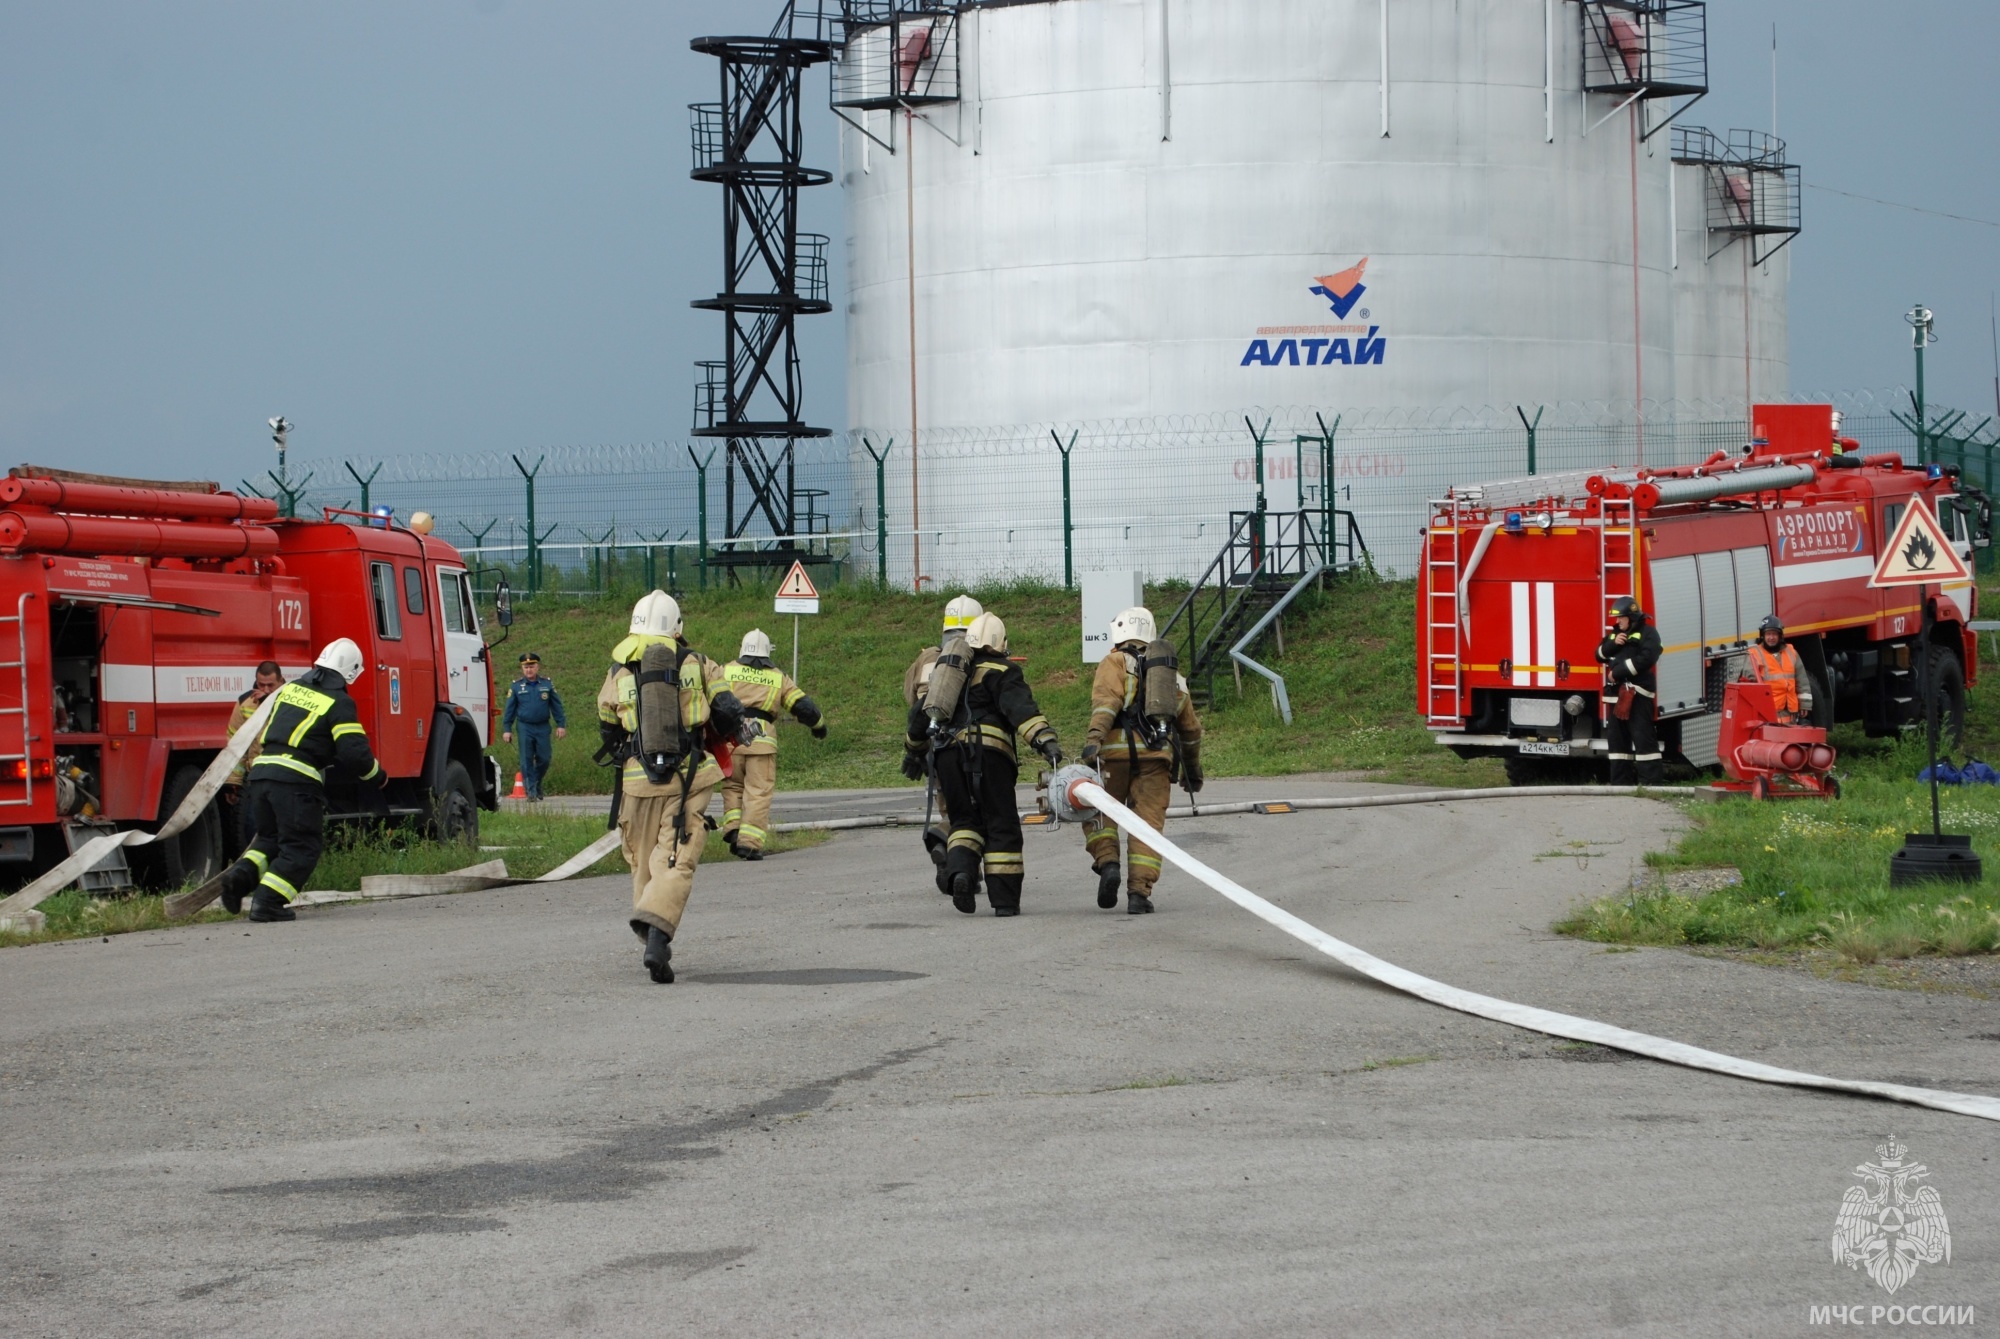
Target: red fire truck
1519,577
133,615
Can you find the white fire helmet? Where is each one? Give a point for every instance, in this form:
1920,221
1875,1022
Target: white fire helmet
987,633
422,522
960,612
657,614
343,657
755,643
1133,625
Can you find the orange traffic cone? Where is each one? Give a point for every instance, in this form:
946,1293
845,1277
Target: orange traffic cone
520,788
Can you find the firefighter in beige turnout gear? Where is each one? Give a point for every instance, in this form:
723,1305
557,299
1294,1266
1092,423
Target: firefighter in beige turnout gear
668,772
1139,741
958,615
764,690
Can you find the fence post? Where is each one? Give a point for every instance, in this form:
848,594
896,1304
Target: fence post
288,493
364,482
535,537
1257,547
1531,431
701,509
1069,528
1327,509
478,537
881,508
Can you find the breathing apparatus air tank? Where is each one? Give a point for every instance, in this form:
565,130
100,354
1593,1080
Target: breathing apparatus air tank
661,741
947,681
1160,691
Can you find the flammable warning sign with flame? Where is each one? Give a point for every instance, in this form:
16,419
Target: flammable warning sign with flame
1918,553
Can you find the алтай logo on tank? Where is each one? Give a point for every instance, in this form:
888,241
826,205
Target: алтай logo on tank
1323,345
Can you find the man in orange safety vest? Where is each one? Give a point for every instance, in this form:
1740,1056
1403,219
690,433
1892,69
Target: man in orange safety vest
1777,664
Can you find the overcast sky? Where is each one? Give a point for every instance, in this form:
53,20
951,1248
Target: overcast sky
467,224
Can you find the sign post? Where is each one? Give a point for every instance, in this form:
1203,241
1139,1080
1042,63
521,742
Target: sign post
1917,555
797,595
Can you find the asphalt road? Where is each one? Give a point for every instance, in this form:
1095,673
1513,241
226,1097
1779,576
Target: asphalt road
859,1112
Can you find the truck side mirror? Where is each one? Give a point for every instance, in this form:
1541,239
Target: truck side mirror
503,603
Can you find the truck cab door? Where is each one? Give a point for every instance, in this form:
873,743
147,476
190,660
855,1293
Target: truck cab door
402,685
468,677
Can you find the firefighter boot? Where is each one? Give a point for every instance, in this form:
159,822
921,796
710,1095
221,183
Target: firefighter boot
268,906
1138,903
934,846
1107,884
237,880
964,892
659,957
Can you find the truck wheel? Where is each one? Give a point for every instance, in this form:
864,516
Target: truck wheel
1948,699
193,856
455,808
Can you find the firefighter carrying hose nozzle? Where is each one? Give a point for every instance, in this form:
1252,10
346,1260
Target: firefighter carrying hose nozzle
1629,654
1776,663
1144,734
668,718
977,704
958,615
312,731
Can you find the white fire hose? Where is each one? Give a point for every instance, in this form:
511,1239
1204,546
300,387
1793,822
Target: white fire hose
1075,793
17,912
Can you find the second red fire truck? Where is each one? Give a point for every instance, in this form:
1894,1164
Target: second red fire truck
1519,577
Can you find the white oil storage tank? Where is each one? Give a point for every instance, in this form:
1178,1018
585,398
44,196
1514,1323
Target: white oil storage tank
1166,214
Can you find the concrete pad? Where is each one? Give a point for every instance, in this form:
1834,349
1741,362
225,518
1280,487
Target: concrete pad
859,1112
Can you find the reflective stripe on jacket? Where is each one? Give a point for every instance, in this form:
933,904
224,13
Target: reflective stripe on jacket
314,729
1781,671
764,693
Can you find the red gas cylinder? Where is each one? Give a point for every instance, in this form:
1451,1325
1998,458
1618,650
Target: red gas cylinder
1765,755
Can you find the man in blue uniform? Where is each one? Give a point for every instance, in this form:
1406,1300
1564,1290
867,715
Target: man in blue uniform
533,704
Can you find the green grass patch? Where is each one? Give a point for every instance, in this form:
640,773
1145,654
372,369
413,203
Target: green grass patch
532,844
1816,872
1170,1081
1349,666
1815,876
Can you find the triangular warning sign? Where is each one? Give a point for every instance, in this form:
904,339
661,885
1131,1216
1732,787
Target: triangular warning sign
1918,553
797,585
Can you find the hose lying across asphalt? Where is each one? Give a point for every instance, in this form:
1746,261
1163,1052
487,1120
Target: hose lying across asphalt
1074,791
1081,793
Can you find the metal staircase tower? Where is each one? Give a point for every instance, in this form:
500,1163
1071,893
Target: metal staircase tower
751,143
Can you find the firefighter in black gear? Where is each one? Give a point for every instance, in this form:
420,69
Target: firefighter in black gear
311,731
1630,653
976,768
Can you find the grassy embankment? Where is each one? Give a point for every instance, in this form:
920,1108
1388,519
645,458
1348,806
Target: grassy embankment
1349,671
530,843
1816,873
